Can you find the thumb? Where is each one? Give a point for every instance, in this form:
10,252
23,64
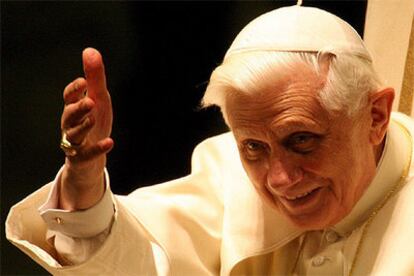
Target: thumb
94,72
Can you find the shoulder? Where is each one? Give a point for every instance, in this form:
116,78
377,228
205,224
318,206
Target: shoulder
185,216
197,197
214,151
403,119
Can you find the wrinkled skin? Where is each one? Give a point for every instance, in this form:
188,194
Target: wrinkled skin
310,165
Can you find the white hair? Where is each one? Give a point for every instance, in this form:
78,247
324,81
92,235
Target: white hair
349,80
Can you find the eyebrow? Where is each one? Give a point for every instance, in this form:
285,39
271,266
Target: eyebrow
288,128
244,131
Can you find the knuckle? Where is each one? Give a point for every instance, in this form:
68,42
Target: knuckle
85,104
71,115
70,110
81,108
70,136
66,91
78,133
64,118
70,90
87,123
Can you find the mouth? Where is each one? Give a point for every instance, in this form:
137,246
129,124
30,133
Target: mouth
303,203
302,195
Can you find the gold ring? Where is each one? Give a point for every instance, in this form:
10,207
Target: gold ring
66,146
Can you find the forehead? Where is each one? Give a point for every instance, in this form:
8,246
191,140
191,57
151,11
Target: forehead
289,101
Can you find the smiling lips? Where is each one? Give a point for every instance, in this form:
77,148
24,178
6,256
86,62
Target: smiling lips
299,196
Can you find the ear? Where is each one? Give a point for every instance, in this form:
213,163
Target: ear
381,105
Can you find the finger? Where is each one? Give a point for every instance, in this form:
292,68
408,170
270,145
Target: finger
76,135
87,153
75,113
102,147
74,91
94,72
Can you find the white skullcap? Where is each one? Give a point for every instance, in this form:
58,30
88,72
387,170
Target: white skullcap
299,29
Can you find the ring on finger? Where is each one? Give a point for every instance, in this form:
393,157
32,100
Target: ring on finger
68,148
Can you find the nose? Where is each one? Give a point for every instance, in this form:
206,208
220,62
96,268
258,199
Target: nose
282,175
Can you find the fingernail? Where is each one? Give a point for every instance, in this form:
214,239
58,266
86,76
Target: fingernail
90,52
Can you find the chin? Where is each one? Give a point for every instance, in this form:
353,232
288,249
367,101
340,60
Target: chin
311,222
314,221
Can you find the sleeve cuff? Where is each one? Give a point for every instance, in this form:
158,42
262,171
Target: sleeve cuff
78,224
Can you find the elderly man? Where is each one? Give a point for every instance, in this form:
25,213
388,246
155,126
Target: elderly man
314,178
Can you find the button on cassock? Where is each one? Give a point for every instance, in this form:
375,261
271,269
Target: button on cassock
318,261
331,236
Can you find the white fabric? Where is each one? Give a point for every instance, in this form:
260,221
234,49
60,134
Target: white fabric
78,235
298,28
212,222
85,224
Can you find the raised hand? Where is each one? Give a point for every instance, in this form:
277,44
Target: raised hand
87,123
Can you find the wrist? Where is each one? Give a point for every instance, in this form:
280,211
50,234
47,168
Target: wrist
81,188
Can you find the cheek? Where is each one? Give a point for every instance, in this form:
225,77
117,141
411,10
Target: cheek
320,164
341,165
332,164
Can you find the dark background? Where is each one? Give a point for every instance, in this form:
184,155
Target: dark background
158,58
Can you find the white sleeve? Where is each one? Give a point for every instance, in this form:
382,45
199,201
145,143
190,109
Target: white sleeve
76,235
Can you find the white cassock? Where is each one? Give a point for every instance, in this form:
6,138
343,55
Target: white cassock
212,222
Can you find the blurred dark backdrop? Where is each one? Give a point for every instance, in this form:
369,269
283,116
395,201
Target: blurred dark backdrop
158,58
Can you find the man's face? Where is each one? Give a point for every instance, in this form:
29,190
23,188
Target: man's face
309,165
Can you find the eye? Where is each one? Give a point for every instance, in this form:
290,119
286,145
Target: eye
253,150
302,142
